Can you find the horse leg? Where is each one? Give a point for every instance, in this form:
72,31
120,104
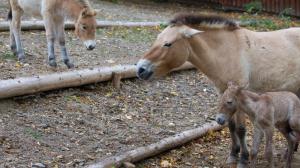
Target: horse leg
235,146
62,43
241,132
13,45
50,34
297,143
268,147
289,152
15,32
257,138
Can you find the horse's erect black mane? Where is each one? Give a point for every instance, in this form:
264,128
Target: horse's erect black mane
204,20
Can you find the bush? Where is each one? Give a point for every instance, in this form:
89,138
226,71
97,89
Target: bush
253,7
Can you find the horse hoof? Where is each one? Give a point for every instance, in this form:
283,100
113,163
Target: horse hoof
231,160
14,50
21,59
69,64
52,63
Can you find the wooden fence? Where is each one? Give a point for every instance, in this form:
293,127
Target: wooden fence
275,6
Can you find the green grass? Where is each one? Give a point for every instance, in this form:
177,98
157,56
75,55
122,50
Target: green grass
33,133
8,56
72,98
266,24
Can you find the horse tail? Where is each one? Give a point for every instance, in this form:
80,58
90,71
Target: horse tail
9,15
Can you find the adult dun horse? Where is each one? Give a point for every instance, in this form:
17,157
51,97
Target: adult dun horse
53,13
259,61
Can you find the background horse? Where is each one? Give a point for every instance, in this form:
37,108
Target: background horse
54,13
259,61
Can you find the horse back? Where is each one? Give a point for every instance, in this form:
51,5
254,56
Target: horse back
273,58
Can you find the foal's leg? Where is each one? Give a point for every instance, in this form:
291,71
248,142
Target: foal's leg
15,32
50,34
269,149
241,132
235,146
257,138
61,39
290,151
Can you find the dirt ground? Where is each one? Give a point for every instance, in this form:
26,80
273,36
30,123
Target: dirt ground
78,126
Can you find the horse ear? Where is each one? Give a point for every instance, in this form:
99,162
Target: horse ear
87,12
94,13
189,32
84,12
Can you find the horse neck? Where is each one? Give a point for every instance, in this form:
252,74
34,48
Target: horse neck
73,8
248,102
214,53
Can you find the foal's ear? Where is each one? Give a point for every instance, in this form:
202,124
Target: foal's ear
231,84
189,32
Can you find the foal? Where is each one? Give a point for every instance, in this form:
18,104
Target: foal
54,13
279,109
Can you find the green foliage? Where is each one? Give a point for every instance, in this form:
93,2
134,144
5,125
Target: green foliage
268,24
163,25
287,12
253,7
260,24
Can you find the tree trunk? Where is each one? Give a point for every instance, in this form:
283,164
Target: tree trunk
39,24
30,85
157,148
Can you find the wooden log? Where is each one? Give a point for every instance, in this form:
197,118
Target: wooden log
30,85
157,148
39,24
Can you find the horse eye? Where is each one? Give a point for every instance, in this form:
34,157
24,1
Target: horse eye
229,102
168,45
84,27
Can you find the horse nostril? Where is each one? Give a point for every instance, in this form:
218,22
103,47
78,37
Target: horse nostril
91,47
220,121
141,70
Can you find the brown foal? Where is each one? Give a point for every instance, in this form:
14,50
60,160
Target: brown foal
266,111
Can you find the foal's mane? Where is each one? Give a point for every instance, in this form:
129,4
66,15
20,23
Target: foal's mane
204,21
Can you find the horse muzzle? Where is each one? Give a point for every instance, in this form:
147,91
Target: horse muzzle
221,119
144,69
90,44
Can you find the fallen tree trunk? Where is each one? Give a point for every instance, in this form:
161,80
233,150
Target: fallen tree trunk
157,148
39,24
30,85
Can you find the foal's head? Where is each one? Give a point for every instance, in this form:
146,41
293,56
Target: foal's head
85,27
228,103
